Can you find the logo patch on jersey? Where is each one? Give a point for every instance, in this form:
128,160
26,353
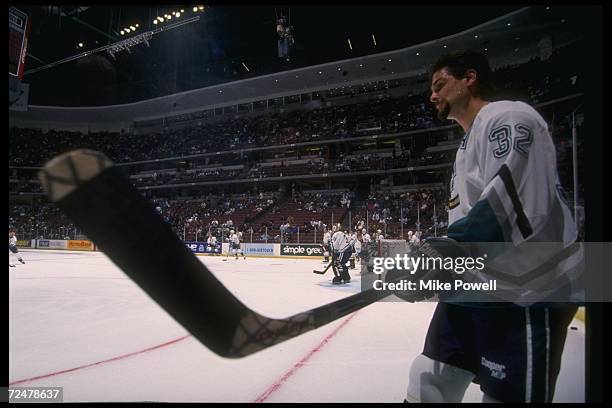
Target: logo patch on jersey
453,202
497,370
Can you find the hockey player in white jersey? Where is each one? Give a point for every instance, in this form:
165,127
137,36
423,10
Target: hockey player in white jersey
212,245
357,247
365,237
342,252
352,240
235,243
326,245
504,188
13,248
414,238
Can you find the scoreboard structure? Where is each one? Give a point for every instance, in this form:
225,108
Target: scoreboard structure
19,30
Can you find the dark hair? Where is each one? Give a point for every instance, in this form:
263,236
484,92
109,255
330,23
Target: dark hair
458,62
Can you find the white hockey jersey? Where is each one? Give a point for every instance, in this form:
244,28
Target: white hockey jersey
212,240
357,246
340,242
505,188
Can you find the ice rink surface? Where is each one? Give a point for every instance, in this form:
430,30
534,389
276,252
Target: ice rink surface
77,322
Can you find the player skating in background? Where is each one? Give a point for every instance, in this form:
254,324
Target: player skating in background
414,238
357,246
365,237
13,248
352,240
235,243
326,245
211,243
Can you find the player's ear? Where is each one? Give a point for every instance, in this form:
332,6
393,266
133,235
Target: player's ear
470,77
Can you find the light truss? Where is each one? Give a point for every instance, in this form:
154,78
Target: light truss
118,46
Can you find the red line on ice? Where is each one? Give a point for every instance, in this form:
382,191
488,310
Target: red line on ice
99,362
278,383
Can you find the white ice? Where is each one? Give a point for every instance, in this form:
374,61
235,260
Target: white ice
73,309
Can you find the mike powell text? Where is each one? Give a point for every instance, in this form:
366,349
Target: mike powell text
435,285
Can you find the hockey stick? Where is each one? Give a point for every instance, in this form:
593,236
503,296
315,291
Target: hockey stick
324,270
101,201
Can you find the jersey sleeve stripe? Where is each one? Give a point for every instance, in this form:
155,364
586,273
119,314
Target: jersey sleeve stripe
521,219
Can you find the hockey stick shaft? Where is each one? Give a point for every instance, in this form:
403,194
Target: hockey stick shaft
124,225
324,270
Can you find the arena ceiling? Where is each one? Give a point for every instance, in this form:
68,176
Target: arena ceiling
227,43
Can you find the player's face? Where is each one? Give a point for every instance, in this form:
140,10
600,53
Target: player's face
447,93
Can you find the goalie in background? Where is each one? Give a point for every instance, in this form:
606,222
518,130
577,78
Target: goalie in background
342,253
